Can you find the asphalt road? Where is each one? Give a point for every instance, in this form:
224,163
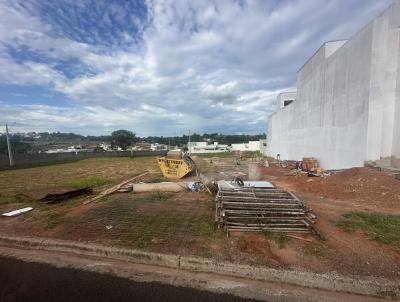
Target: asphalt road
25,281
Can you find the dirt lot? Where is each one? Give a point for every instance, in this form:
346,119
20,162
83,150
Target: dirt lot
182,223
366,188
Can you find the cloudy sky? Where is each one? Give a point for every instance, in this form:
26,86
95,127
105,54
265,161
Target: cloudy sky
160,67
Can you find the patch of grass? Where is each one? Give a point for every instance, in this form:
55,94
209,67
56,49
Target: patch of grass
138,228
158,196
381,227
210,204
203,226
15,181
206,252
7,199
314,250
144,227
92,181
110,159
280,239
54,219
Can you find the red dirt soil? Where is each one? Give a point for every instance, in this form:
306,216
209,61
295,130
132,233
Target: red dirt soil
365,185
256,244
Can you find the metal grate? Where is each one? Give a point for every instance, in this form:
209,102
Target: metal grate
271,209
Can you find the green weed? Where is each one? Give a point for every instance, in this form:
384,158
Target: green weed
381,227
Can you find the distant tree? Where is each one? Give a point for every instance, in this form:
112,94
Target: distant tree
122,138
17,145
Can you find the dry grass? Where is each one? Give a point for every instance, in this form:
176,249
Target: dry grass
114,169
159,222
88,182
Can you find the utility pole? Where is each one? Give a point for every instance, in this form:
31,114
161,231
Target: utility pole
10,156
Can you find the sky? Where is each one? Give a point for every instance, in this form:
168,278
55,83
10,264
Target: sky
162,67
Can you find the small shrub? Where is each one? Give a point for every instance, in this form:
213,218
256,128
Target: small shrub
158,196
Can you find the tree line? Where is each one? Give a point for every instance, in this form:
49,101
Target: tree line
120,138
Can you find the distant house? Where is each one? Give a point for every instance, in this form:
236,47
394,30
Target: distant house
71,149
142,147
105,147
158,147
251,146
204,147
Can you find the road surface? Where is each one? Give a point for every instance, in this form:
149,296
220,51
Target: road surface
27,281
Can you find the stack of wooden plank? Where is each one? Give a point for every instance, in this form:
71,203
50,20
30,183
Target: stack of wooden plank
272,209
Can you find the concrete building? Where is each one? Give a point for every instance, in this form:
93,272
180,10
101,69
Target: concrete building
347,107
71,149
141,146
158,147
263,147
204,147
286,98
250,146
105,146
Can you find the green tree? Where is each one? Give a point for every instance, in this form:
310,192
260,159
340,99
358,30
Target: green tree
122,138
17,145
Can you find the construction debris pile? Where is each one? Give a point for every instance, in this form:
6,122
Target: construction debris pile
261,209
309,166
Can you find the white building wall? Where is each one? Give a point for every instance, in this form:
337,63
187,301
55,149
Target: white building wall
396,128
263,147
285,96
204,147
344,112
384,71
238,147
250,146
254,146
332,46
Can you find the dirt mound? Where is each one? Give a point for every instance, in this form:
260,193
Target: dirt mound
360,184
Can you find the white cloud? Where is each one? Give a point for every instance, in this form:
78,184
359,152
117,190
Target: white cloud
198,65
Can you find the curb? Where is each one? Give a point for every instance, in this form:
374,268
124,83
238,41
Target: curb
371,286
